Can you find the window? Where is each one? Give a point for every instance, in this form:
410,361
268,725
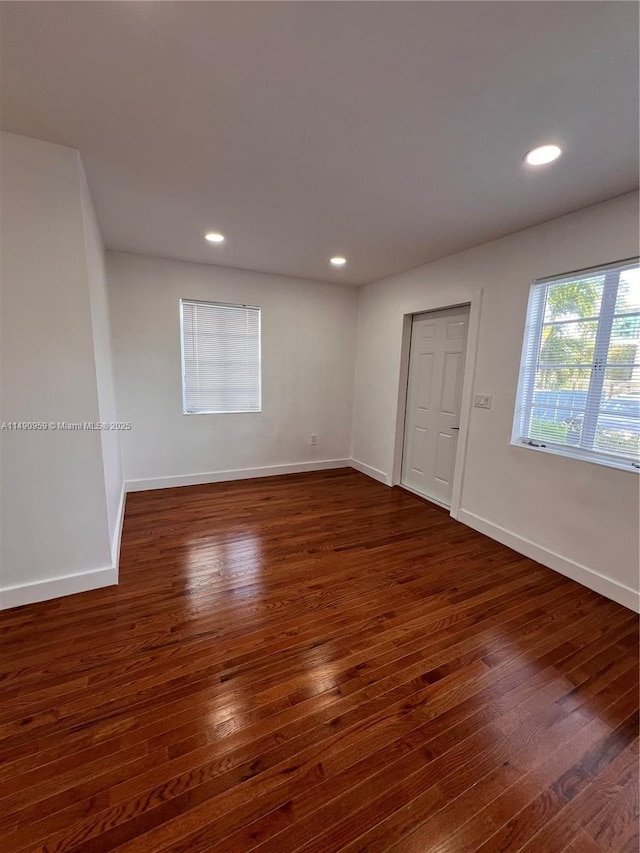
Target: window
220,357
579,387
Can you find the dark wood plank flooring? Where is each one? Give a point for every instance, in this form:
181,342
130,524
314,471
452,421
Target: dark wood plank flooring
318,663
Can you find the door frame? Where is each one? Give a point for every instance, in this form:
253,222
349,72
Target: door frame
473,299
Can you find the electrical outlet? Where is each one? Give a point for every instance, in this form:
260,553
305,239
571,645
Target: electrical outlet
313,440
482,401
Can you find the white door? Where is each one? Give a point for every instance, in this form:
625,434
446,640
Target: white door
432,419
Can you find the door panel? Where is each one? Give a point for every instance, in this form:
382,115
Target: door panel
443,469
436,370
425,381
451,378
457,329
419,447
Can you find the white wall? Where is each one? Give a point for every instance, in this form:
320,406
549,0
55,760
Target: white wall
308,351
98,298
55,523
577,517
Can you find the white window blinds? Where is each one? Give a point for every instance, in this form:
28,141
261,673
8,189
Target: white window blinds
579,386
220,357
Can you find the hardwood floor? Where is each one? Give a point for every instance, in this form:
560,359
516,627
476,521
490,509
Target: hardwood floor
318,663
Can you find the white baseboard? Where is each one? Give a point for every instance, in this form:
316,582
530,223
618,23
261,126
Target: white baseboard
30,593
602,584
380,476
234,474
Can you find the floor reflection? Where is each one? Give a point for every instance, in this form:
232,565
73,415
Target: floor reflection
210,562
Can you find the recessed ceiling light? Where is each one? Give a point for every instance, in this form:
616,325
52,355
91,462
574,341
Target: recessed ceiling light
543,154
338,262
214,237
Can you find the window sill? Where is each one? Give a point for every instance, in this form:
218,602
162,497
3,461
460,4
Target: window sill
227,412
581,456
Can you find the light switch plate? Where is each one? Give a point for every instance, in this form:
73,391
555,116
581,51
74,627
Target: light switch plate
482,401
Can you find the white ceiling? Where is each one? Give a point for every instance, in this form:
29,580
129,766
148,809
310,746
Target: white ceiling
390,132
